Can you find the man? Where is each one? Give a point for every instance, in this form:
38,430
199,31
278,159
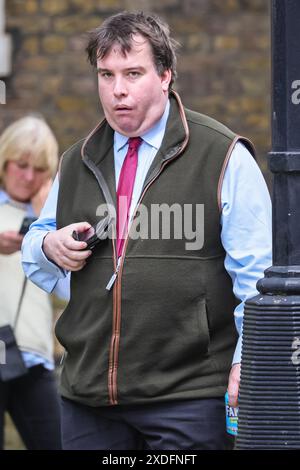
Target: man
149,331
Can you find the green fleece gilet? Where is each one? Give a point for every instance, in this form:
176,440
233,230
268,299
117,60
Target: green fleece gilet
165,331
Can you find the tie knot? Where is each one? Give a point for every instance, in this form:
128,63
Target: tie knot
134,143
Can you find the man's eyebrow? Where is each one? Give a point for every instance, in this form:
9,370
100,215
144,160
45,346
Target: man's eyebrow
127,69
99,69
135,67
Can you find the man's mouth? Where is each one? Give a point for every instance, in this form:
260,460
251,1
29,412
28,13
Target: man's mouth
120,108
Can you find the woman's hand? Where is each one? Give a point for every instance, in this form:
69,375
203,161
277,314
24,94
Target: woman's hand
10,242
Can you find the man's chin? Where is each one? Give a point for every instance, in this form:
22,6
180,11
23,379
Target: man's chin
128,131
124,126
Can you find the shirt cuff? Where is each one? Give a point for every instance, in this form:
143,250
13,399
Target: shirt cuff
62,288
238,352
43,262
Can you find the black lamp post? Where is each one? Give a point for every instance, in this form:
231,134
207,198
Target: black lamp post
269,403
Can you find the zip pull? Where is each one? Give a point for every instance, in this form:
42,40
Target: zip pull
114,276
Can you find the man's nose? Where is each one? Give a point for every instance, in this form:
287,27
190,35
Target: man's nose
120,88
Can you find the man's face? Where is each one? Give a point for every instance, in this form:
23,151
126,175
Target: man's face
132,94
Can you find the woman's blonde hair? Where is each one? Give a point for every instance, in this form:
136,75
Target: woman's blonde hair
32,136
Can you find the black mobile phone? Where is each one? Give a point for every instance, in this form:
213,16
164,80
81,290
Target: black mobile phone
27,221
94,234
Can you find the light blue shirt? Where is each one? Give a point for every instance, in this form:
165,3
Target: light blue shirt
246,220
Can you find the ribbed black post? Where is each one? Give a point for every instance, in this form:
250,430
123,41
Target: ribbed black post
269,402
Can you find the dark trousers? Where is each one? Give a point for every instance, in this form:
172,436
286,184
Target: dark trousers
177,425
33,405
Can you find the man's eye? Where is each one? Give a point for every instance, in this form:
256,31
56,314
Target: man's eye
134,74
106,74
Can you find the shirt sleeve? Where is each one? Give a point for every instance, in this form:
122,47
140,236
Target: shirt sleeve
37,267
246,229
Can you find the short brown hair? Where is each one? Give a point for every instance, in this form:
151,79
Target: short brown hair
122,27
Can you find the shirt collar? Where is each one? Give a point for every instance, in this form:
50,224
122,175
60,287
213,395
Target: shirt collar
152,137
5,199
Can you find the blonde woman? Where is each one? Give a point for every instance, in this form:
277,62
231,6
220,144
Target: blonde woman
28,162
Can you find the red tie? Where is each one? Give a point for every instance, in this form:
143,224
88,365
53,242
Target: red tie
125,188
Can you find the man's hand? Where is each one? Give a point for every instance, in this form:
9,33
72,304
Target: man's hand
10,242
59,246
233,385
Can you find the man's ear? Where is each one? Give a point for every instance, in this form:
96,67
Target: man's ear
165,79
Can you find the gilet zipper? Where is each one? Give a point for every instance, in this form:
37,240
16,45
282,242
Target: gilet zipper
116,282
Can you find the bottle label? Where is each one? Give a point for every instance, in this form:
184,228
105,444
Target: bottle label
231,417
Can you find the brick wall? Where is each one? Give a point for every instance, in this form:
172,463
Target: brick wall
223,63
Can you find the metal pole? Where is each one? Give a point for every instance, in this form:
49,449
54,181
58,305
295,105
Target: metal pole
269,402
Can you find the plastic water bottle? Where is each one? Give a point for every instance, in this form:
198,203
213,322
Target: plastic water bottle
231,417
